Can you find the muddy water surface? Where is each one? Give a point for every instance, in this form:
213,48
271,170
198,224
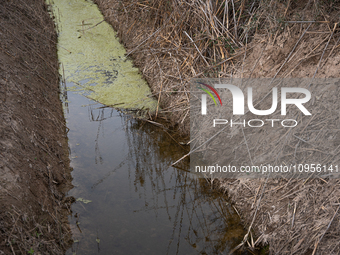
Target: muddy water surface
129,198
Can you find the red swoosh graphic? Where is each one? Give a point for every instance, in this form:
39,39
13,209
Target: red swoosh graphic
213,90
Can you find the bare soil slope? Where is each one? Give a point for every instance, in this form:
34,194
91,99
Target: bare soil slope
34,164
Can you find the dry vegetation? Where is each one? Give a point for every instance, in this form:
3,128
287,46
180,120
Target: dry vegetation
172,41
34,164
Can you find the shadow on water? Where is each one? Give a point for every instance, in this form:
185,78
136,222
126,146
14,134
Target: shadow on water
139,203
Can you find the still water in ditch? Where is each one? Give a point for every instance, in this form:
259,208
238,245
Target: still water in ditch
129,198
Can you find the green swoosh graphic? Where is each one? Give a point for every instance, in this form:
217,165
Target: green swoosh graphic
209,94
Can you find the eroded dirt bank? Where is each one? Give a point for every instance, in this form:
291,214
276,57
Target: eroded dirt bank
34,164
174,41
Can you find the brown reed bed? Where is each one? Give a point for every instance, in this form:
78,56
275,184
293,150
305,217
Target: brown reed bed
174,41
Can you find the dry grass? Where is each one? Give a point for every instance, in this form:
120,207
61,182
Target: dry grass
174,41
34,164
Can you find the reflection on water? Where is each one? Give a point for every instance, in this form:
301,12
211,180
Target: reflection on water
140,204
129,199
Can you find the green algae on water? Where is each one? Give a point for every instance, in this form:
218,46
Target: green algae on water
97,65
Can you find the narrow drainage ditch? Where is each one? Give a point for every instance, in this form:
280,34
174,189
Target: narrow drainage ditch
129,200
